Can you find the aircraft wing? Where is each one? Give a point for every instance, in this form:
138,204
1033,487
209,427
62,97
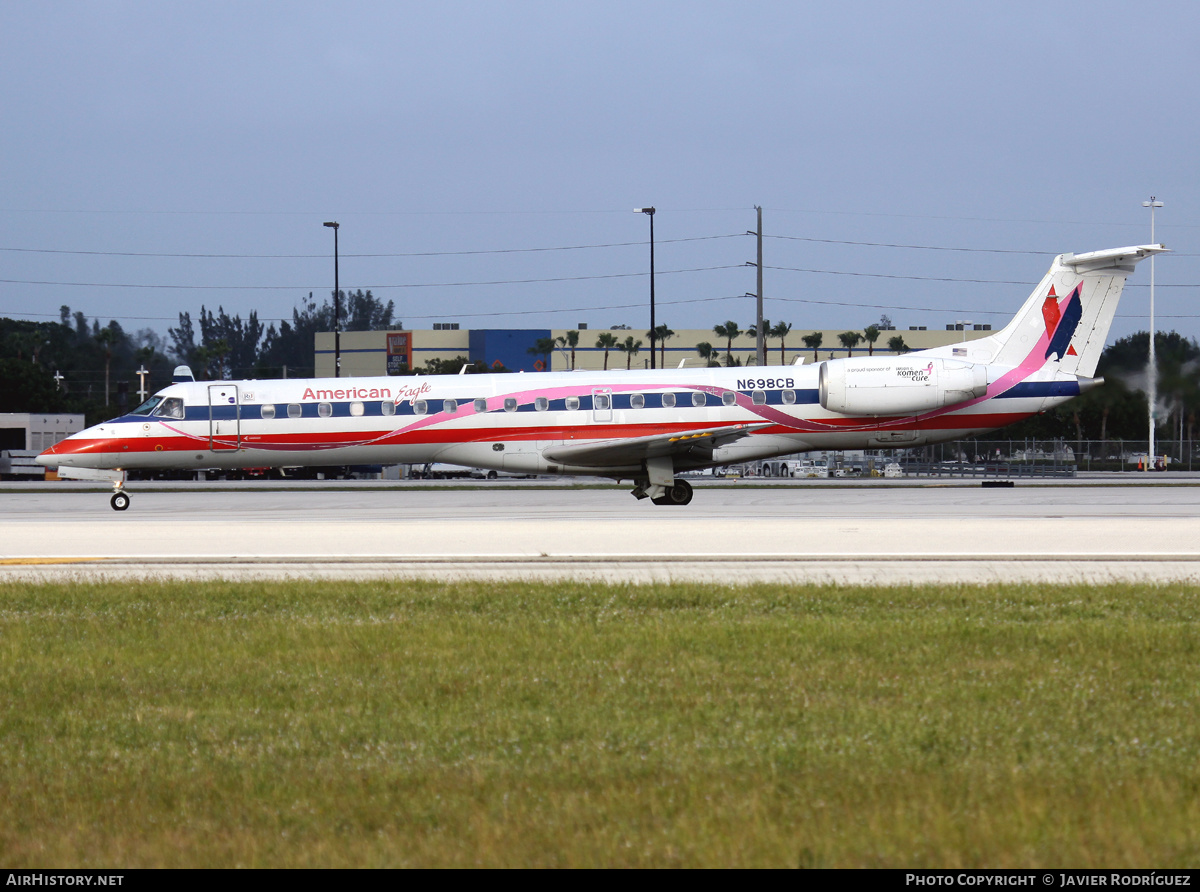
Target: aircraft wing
697,445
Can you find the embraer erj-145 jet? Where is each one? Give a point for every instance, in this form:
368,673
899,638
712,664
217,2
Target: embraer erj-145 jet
644,426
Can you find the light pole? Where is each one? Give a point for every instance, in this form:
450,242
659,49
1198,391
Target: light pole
1152,366
650,213
962,325
337,307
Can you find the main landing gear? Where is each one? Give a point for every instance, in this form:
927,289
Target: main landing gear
680,493
660,485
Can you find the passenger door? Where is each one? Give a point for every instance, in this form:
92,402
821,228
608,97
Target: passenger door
224,418
602,404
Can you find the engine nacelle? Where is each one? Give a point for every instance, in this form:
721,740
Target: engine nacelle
897,385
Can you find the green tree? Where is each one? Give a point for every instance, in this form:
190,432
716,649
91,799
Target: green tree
542,347
729,331
231,341
363,312
28,388
752,332
813,342
630,348
871,335
606,341
106,338
706,353
781,331
661,334
896,344
850,340
571,340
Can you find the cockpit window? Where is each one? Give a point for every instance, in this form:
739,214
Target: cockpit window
172,407
147,407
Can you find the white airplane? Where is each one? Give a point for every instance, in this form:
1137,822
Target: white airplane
644,426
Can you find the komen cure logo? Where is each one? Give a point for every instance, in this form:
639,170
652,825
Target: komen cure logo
916,374
1061,321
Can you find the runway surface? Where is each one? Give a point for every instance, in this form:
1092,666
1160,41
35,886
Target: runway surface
863,534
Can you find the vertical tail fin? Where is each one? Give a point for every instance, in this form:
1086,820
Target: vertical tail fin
1068,315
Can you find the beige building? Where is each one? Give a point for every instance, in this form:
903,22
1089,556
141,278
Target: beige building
365,353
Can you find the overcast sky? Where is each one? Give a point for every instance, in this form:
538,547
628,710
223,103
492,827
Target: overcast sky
135,133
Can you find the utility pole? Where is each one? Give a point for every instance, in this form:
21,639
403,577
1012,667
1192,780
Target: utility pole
761,343
762,335
142,372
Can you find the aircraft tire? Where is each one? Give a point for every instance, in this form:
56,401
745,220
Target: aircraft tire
119,501
679,494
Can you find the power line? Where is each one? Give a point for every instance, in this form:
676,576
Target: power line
639,305
830,241
698,238
697,269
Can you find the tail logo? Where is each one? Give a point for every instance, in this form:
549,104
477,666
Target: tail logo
1061,321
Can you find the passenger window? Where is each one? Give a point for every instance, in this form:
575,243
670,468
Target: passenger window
697,398
450,406
760,397
572,403
602,401
668,400
387,407
356,409
637,401
420,407
729,398
789,397
541,404
294,410
325,410
480,406
268,411
510,404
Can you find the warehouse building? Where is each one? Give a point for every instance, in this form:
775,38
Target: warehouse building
367,353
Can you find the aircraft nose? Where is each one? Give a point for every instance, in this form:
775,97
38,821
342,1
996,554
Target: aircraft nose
73,449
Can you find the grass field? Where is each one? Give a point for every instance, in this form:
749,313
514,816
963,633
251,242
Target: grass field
392,724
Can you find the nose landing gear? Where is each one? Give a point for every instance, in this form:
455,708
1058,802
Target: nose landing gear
120,498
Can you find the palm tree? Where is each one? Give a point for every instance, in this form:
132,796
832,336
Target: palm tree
661,334
781,331
542,347
850,340
570,339
630,349
871,335
706,352
606,342
752,332
813,342
896,344
729,331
